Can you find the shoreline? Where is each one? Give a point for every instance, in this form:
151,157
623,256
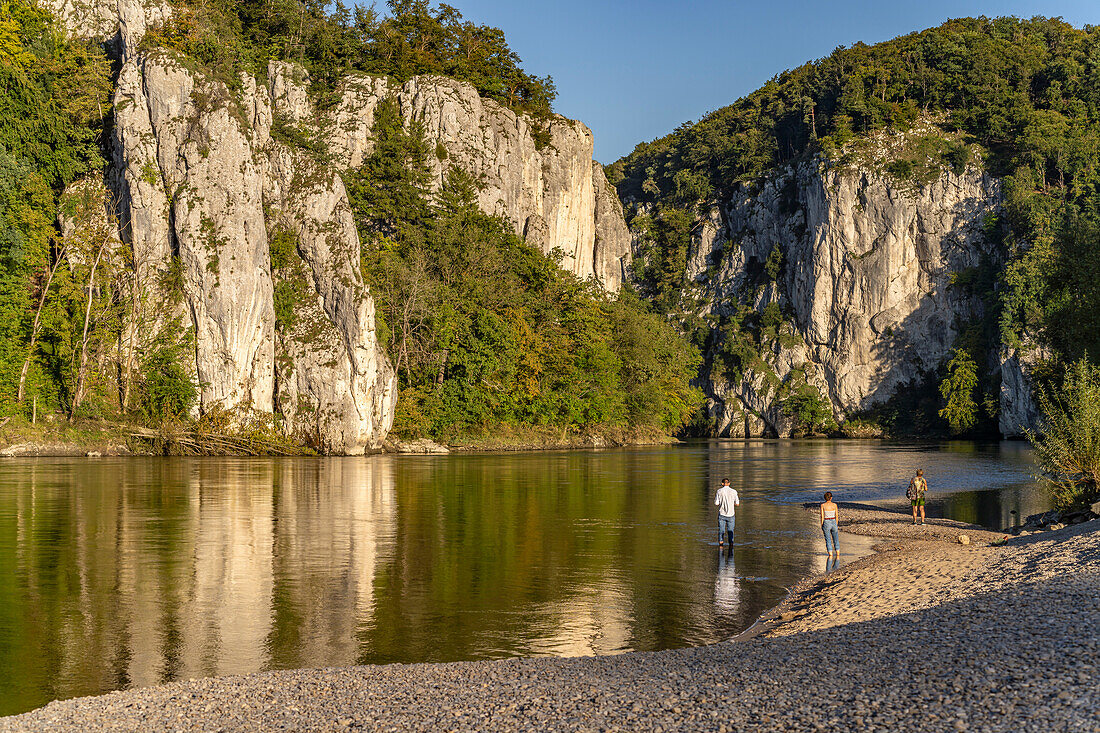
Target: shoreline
93,440
123,449
978,636
895,533
869,522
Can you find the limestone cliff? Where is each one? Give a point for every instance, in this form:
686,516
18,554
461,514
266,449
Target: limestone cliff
120,23
554,194
203,186
864,272
245,243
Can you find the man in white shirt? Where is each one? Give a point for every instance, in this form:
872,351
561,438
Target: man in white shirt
726,499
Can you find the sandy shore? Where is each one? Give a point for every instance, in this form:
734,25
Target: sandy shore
926,634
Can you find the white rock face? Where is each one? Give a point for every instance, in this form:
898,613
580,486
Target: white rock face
556,197
202,181
866,274
121,23
334,380
199,154
1019,409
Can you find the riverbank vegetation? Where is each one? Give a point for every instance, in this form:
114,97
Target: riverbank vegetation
1067,442
1016,97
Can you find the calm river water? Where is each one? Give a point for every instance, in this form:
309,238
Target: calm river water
126,572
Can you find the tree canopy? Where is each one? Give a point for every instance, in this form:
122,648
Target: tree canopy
413,37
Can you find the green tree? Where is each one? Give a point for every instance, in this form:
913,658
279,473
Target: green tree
958,389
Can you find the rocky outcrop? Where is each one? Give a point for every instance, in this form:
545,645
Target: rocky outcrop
1019,411
862,265
213,187
332,374
203,183
120,23
613,244
554,194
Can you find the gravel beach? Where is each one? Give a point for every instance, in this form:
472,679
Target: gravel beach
925,635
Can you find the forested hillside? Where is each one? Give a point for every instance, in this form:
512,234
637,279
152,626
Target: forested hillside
1019,99
485,331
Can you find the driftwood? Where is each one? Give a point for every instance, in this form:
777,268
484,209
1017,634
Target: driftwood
195,443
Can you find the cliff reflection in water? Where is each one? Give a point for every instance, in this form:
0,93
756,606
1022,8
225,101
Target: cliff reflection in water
134,572
128,572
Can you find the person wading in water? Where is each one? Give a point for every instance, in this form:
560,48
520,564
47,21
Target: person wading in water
830,515
726,499
917,488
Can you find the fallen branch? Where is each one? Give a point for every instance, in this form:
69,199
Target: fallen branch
190,442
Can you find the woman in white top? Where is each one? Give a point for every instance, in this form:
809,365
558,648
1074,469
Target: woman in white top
830,515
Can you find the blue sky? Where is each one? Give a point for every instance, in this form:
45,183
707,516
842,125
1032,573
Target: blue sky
634,71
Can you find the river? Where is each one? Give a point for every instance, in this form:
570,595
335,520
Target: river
126,572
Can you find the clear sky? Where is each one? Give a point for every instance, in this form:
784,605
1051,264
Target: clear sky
635,70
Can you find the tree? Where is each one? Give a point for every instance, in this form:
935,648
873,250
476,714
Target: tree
960,409
89,238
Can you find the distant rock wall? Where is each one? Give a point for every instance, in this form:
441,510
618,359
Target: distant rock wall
866,275
1019,410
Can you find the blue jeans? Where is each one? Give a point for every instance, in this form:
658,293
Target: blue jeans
725,529
832,535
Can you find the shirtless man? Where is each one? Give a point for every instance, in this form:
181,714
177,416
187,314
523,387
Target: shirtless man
917,488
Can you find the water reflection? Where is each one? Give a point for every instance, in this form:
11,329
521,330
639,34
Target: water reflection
127,572
727,586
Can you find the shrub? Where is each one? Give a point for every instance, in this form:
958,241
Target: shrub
810,411
166,389
1068,443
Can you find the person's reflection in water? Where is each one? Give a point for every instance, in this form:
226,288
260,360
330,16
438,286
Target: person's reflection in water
727,588
833,563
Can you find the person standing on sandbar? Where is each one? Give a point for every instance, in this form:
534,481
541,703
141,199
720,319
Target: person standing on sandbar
726,499
917,489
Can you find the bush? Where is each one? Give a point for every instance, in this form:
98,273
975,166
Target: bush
810,411
166,389
1068,444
